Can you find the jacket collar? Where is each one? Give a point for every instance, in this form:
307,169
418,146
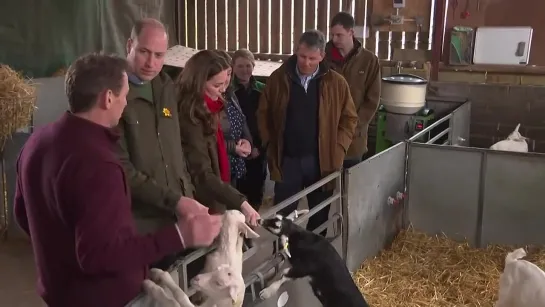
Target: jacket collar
90,129
237,85
291,68
355,50
157,85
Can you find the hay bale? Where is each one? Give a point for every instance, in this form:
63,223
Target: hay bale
17,103
421,270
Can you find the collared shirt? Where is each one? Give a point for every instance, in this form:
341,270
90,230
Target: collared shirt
134,79
305,80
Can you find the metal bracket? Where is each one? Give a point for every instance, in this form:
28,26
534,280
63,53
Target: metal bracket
396,19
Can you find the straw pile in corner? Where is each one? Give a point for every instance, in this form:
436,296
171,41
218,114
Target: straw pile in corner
17,103
421,270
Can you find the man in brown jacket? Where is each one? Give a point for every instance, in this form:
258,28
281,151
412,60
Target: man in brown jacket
360,67
306,120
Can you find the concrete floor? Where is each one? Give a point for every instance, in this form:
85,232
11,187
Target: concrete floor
17,275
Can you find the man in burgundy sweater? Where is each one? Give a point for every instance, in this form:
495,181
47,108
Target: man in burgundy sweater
73,201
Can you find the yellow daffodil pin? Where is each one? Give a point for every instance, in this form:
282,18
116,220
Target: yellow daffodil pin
166,112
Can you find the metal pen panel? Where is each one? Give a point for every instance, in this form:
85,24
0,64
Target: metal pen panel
513,206
444,190
372,221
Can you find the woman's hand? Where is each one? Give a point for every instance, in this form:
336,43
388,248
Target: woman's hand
243,148
246,144
249,212
254,154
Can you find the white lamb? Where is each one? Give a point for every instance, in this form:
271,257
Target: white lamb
522,283
514,142
228,252
216,286
164,291
221,281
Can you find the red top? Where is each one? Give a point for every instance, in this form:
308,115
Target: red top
73,200
336,55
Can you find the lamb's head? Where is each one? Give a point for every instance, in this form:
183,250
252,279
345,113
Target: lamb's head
220,284
235,218
516,136
280,225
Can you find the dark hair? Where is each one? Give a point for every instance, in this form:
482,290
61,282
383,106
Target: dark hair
200,68
343,19
89,76
140,24
222,53
313,39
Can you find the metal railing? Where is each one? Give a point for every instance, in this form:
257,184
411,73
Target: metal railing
457,119
271,266
427,131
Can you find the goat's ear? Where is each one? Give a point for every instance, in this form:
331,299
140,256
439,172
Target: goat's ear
149,286
233,293
292,216
302,212
296,214
247,231
156,275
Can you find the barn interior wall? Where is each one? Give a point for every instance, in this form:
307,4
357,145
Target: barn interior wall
497,108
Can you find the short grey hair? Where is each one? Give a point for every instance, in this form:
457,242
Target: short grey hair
313,39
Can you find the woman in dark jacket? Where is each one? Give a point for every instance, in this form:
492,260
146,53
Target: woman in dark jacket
201,86
247,90
235,129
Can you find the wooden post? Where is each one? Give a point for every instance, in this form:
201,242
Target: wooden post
4,214
438,33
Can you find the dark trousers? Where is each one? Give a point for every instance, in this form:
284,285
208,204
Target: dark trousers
348,163
298,174
252,184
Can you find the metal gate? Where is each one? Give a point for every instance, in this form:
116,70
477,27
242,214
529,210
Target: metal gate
260,265
475,194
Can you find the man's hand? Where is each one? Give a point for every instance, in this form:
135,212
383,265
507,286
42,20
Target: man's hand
199,230
249,212
188,207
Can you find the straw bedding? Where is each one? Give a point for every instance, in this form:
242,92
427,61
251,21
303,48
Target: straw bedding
17,102
421,270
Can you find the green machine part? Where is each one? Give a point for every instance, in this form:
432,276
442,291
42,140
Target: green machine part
417,123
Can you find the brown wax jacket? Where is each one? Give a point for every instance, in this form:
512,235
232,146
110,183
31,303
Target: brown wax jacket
337,118
201,152
361,70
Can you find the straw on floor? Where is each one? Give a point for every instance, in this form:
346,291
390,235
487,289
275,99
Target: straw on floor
17,102
421,270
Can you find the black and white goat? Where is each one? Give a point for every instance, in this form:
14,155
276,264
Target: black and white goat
311,255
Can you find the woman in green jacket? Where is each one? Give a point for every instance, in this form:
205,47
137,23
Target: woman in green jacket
201,86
